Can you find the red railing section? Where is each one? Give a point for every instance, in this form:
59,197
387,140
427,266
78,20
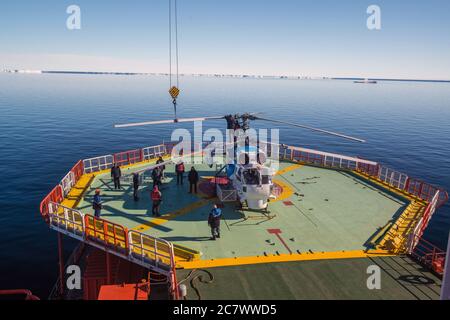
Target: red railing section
128,157
425,219
429,255
307,157
415,187
371,170
426,191
427,215
78,170
56,195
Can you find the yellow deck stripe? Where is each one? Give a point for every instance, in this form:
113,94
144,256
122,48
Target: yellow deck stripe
77,192
237,261
289,168
287,191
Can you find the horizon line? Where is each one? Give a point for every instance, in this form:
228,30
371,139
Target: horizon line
253,76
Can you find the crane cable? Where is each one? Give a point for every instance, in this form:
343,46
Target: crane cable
174,90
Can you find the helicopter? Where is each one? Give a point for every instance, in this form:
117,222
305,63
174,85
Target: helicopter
247,173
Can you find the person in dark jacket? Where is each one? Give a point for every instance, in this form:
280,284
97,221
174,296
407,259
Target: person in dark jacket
136,186
214,222
162,168
156,196
193,180
179,168
97,204
116,173
156,176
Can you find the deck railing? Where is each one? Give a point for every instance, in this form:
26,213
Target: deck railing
56,195
423,223
428,254
98,163
150,252
66,220
145,249
392,178
123,158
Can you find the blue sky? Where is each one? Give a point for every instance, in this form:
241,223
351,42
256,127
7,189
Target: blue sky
288,37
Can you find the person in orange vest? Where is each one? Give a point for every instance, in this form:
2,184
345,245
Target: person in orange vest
156,196
179,168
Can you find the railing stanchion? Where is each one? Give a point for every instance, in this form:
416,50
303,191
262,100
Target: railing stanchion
108,268
445,290
61,264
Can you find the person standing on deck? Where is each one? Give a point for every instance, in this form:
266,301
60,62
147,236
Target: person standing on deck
193,180
179,168
136,186
161,168
156,176
156,196
214,222
116,173
97,204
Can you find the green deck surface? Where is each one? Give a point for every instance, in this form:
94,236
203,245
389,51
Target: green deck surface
331,211
401,279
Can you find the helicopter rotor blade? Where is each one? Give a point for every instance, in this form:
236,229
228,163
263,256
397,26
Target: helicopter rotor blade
140,124
313,129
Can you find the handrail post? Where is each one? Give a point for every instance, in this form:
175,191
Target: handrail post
142,247
61,264
108,268
105,233
445,290
155,252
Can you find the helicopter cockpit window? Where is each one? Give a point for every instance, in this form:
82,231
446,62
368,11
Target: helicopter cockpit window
251,177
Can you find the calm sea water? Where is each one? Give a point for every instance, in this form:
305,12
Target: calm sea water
48,122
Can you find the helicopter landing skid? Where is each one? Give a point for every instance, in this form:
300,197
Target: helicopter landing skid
244,207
